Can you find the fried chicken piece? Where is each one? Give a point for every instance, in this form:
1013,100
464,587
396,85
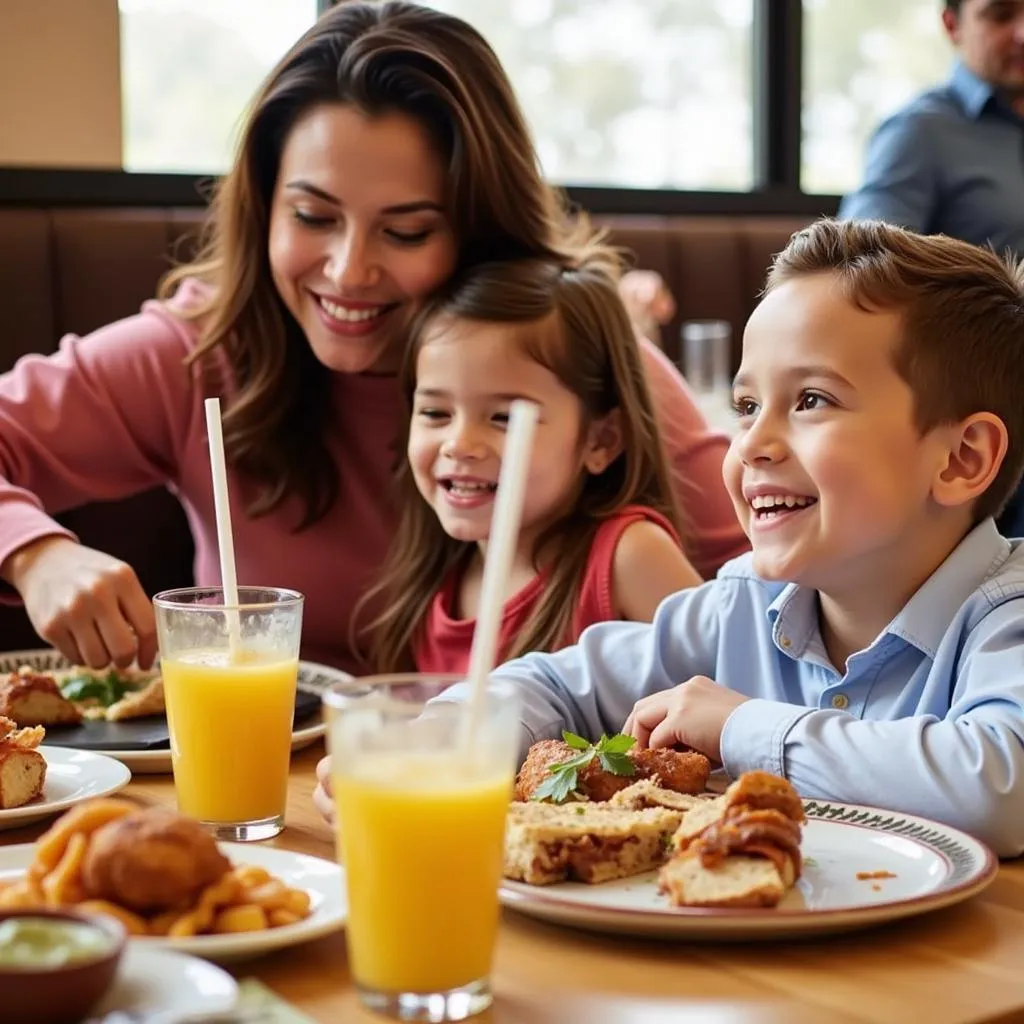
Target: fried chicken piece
32,698
681,772
152,860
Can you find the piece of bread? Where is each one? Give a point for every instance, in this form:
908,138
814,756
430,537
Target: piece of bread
31,698
22,775
695,821
139,703
546,843
738,881
648,793
741,849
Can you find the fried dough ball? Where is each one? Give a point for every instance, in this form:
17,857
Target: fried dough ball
151,860
683,772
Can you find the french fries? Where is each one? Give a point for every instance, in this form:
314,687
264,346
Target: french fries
245,899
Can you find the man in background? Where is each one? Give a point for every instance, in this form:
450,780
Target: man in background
952,160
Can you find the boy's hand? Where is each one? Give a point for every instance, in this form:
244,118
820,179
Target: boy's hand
322,796
693,713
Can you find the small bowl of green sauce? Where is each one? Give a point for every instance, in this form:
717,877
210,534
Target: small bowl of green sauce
55,965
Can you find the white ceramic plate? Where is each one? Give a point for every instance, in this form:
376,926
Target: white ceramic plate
313,677
71,776
322,879
934,865
152,981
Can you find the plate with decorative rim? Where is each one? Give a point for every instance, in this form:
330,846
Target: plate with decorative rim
71,776
314,679
322,879
862,866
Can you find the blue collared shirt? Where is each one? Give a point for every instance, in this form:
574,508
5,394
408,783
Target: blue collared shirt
951,161
929,719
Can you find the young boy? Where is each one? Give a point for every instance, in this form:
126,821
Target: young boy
871,647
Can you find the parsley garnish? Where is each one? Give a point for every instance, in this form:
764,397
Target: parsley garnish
106,690
611,752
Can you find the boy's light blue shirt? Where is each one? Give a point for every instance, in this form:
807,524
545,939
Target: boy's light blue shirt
929,719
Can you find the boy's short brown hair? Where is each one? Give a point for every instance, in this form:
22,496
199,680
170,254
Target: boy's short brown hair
962,306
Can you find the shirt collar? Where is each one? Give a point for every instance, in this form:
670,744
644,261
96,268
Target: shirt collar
924,619
973,92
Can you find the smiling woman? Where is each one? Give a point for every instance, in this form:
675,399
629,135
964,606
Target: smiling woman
383,153
358,232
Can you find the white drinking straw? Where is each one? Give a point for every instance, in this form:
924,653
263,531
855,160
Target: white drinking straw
225,541
501,547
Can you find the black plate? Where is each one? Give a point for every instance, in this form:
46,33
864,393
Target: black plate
148,733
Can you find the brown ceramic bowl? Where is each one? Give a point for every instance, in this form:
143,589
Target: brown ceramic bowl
60,995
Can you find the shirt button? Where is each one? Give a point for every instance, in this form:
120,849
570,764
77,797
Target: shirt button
785,641
840,702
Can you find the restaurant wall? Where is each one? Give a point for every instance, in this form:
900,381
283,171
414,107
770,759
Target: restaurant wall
60,91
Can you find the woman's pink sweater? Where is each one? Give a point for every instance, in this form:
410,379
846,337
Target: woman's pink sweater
117,412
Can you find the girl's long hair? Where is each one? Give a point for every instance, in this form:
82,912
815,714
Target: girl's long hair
381,57
572,322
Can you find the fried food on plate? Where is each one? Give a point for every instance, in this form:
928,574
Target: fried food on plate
588,842
155,871
682,772
739,850
151,860
149,700
34,698
22,767
112,694
649,793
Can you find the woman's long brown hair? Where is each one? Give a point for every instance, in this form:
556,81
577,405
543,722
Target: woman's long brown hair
572,322
381,57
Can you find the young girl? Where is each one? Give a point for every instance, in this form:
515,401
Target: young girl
598,538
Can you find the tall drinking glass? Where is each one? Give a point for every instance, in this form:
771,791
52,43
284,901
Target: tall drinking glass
421,822
229,676
707,355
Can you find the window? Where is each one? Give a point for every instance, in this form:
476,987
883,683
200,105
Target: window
862,60
629,93
188,69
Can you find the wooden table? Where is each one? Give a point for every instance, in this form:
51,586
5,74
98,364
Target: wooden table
964,964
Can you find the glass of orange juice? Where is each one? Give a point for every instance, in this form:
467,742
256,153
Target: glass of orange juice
421,805
229,674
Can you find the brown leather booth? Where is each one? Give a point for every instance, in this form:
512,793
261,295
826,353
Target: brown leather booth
71,270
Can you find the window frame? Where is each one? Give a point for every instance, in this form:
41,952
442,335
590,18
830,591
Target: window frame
777,39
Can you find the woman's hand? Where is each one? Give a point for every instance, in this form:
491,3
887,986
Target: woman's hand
647,299
90,606
322,797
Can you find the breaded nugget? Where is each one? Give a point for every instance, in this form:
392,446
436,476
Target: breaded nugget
152,860
681,772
